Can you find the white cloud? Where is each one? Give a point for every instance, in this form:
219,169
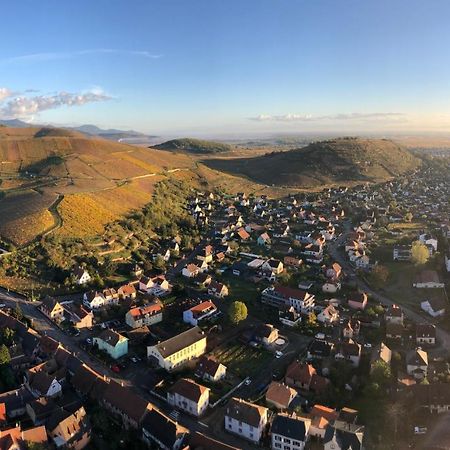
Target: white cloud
50,56
26,106
311,118
4,93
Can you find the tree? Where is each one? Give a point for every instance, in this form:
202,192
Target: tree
312,320
379,275
419,253
5,357
381,373
17,313
408,217
237,312
159,263
7,336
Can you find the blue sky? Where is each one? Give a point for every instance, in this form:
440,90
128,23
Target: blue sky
235,66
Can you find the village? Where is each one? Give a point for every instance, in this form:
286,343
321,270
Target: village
314,321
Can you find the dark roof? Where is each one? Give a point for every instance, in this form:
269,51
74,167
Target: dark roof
290,426
110,337
347,436
243,411
161,428
207,366
198,441
180,341
425,330
16,399
122,398
320,348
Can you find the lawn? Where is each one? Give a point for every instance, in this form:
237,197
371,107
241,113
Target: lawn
242,360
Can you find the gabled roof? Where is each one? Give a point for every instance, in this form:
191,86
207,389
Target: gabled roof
291,427
180,341
188,389
111,337
300,372
280,393
162,428
246,412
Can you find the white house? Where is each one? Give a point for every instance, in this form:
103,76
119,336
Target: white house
435,307
245,419
94,300
144,315
82,276
428,279
328,315
189,396
289,432
417,363
199,312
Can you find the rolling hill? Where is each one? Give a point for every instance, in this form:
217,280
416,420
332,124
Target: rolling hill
196,146
335,161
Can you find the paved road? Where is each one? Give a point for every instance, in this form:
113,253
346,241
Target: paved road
442,335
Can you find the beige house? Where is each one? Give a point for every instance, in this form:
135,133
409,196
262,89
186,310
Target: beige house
178,350
189,396
52,309
144,315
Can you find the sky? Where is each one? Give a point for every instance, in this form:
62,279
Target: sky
228,67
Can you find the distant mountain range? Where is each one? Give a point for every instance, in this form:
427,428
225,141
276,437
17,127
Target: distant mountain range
91,130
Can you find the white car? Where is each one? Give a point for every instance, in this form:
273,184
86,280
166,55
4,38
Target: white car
247,381
278,354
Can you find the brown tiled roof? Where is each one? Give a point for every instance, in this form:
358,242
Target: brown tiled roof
208,366
84,379
300,372
48,345
122,398
280,393
246,412
188,389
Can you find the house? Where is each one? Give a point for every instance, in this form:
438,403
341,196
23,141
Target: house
435,306
264,239
429,240
417,363
428,279
329,315
272,266
157,286
381,353
78,316
243,234
334,272
218,290
401,253
94,300
280,395
357,300
199,312
42,383
362,262
434,396
178,350
343,436
15,402
69,430
162,432
321,417
304,376
289,432
349,351
198,441
279,295
203,279
319,349
190,271
331,287
18,439
189,396
425,334
122,402
292,261
394,314
351,328
141,316
52,309
289,317
81,276
245,419
394,330
210,370
206,254
266,334
127,291
112,343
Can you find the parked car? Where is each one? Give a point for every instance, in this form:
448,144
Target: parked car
115,368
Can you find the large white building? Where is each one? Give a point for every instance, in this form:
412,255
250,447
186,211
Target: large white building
179,349
189,396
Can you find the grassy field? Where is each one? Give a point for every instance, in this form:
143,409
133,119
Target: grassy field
242,360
